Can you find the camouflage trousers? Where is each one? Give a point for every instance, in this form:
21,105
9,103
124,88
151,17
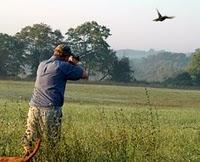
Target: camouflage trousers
43,123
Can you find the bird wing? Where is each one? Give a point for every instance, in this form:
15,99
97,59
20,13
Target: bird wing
156,19
159,15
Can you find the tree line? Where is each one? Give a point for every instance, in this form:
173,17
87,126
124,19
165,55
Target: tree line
176,69
191,75
21,54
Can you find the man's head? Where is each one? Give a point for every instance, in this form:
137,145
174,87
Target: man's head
62,50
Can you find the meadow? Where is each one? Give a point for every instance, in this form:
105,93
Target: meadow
110,123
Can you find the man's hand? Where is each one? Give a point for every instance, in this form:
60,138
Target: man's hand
73,60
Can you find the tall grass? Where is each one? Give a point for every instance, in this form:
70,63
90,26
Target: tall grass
110,123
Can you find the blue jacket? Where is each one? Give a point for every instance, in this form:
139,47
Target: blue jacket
52,76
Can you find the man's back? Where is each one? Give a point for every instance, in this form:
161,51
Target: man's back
51,79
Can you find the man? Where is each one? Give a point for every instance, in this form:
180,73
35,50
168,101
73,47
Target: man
45,112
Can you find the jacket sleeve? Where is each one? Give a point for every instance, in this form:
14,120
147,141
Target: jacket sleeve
72,72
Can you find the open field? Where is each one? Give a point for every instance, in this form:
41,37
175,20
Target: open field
110,123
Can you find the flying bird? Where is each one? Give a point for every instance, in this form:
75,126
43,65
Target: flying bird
162,18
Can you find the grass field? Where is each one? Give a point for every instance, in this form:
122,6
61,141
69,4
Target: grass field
110,123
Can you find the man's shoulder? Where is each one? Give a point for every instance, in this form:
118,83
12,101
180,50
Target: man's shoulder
63,64
66,66
53,60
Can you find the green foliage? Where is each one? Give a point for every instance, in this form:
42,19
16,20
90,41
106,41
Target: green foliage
182,79
39,41
22,53
159,67
107,64
89,41
194,66
122,71
11,58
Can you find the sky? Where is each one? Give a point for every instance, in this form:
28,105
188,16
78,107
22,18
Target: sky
130,21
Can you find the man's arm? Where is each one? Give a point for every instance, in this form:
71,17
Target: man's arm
74,61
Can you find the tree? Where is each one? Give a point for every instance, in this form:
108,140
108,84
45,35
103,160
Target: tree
89,41
11,55
40,40
107,64
159,67
3,53
122,71
182,79
194,66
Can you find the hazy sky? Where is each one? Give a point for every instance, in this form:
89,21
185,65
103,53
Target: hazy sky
130,21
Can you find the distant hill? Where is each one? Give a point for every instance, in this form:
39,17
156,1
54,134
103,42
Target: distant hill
157,65
138,54
135,54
